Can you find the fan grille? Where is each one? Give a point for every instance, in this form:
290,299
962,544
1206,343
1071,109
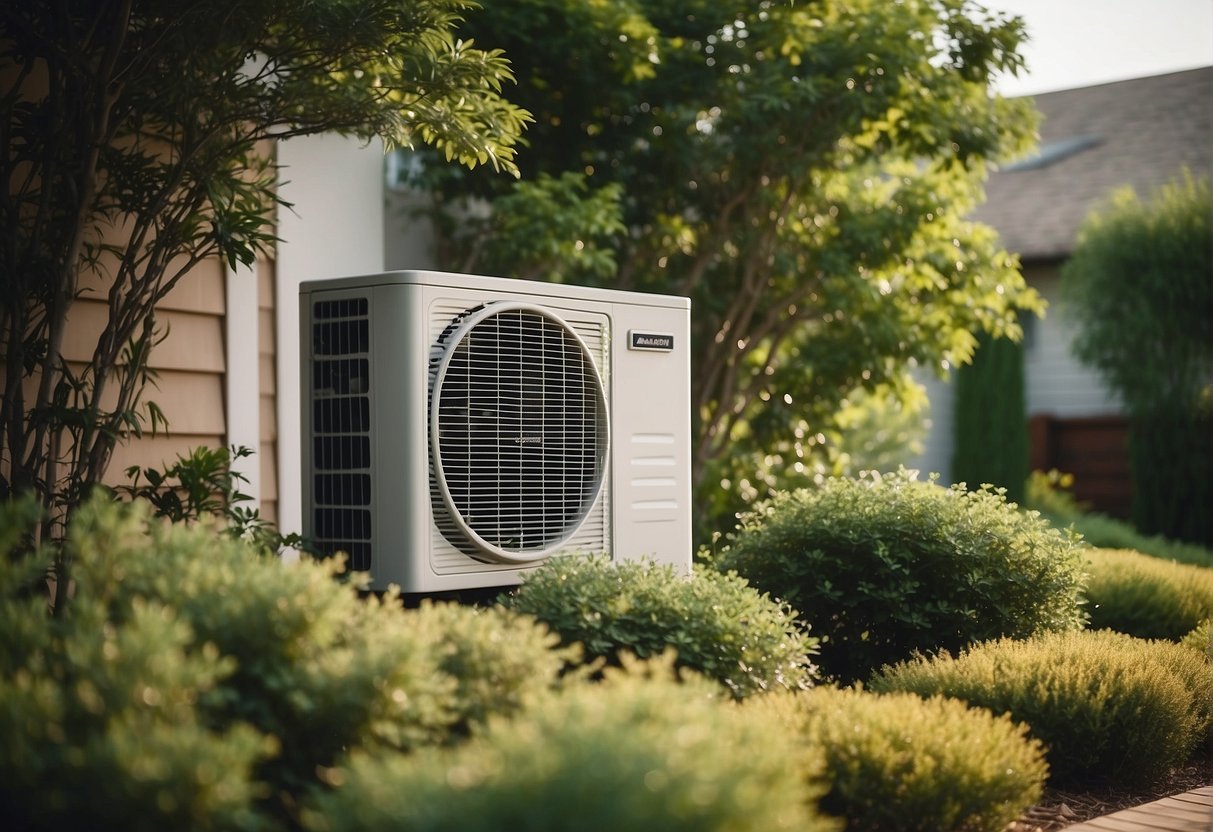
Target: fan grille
518,431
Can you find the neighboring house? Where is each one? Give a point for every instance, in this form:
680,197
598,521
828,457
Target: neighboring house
1093,141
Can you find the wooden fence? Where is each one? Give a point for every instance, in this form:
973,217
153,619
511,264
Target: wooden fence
1094,449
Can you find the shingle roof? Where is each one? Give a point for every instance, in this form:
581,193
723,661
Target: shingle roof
1138,133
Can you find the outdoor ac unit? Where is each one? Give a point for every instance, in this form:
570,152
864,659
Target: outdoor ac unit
459,430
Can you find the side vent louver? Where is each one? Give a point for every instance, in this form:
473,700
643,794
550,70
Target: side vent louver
341,409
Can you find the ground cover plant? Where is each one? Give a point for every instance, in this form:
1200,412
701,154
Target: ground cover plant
716,623
1145,596
1110,709
639,750
882,567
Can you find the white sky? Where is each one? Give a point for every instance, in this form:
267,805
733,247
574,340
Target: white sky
1077,43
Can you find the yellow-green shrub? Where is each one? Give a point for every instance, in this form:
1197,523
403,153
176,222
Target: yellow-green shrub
898,763
261,673
1111,709
637,751
1146,596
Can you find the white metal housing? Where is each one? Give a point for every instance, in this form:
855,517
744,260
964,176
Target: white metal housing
459,430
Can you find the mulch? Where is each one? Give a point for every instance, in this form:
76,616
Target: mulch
1059,809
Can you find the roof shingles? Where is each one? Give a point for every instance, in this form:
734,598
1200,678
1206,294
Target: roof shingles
1148,130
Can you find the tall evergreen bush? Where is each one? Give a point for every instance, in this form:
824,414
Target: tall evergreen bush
991,429
1140,287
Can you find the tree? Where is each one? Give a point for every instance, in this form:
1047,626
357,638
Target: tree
800,170
991,425
136,143
1140,288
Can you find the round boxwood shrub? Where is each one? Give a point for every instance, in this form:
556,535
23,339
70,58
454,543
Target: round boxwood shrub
899,763
195,683
716,623
886,566
639,750
1112,710
1146,596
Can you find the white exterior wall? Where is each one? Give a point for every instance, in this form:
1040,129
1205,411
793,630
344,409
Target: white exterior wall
936,456
334,229
1054,381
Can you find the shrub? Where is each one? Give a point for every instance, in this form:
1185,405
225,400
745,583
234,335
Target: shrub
1047,494
1144,596
501,661
989,401
312,669
1111,709
717,623
898,762
638,751
1138,276
882,567
99,720
1201,638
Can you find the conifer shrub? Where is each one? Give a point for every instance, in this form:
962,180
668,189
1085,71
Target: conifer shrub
1201,638
885,566
278,669
639,750
716,623
1144,596
1111,710
899,763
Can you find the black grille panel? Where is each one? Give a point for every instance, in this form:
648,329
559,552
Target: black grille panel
341,424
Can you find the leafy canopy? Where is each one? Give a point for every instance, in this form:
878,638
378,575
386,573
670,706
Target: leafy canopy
801,171
137,143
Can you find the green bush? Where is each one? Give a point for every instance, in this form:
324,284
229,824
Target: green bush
1047,494
989,401
1144,596
1111,709
638,751
898,763
883,567
307,666
99,719
501,661
717,623
1201,638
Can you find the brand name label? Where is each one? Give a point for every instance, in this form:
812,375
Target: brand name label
652,341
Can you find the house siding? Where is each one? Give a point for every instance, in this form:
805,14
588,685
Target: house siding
1056,383
267,393
189,365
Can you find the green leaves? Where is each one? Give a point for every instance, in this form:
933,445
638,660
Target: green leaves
716,623
886,566
148,149
800,171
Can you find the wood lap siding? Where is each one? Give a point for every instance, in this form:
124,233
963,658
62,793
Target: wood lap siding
266,356
190,368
